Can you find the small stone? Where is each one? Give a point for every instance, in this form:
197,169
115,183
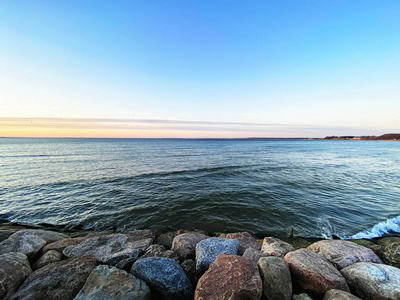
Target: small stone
254,255
343,253
184,244
373,281
47,258
302,296
165,275
62,244
314,273
14,269
276,247
230,277
275,275
109,283
339,295
207,251
246,241
59,280
166,239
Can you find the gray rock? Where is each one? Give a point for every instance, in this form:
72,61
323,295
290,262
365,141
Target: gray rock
109,283
207,251
59,280
373,281
14,269
160,251
5,233
302,296
343,253
29,241
276,247
391,254
165,275
275,274
50,256
184,245
254,255
166,239
189,267
62,244
113,248
246,241
339,295
388,240
314,273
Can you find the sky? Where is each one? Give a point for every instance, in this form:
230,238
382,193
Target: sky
193,69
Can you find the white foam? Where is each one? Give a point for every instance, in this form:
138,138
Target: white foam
380,229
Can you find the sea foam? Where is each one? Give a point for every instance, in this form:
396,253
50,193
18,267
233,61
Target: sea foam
385,227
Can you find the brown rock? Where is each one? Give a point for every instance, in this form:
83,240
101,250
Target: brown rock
49,257
160,251
314,273
276,247
246,241
392,254
230,277
339,295
166,239
388,240
62,244
343,253
184,245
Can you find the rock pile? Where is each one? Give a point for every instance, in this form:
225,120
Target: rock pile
43,264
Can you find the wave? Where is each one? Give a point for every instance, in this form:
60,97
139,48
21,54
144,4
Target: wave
382,228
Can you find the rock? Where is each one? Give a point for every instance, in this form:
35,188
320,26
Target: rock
14,269
62,244
109,283
189,267
47,258
314,273
165,275
207,251
5,234
276,247
339,295
184,244
113,248
160,251
59,280
253,255
29,241
373,281
166,239
275,274
392,254
302,296
298,242
388,240
246,241
343,253
230,277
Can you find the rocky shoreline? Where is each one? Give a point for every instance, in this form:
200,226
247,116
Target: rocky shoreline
152,264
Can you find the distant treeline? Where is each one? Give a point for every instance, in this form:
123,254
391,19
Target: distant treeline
384,137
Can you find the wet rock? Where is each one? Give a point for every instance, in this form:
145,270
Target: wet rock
391,254
207,251
166,239
109,283
165,275
314,273
276,247
246,241
253,255
113,248
62,244
339,295
184,244
50,256
302,296
343,253
388,240
275,274
373,281
14,269
230,277
189,267
160,251
298,242
59,280
29,241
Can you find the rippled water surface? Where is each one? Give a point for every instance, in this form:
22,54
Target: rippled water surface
319,188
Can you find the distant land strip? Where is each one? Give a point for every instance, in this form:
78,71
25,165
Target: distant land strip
384,137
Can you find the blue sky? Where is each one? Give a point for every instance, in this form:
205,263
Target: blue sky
199,68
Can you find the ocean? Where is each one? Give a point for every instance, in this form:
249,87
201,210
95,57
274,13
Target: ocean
320,188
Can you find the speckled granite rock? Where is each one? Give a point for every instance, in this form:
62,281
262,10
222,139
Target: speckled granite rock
339,295
276,247
184,245
50,256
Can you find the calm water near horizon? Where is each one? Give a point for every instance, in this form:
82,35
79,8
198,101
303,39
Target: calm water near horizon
320,188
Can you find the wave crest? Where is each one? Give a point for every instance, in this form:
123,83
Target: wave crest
385,227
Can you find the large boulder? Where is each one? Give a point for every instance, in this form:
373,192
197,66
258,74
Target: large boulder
185,244
373,281
62,244
246,241
14,269
276,278
230,277
109,283
59,280
29,241
339,295
314,273
165,275
49,257
253,254
343,253
207,251
276,247
113,248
